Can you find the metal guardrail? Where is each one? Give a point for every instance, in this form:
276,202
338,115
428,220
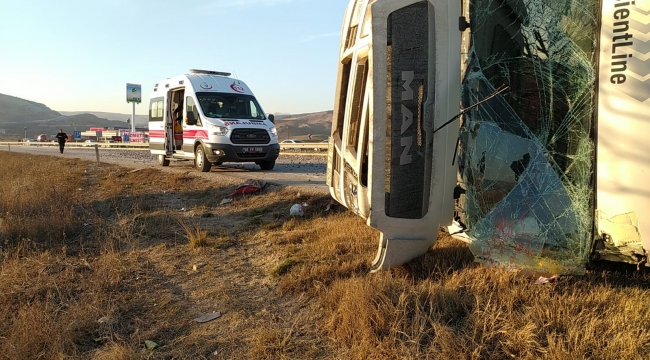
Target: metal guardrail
305,146
143,146
79,144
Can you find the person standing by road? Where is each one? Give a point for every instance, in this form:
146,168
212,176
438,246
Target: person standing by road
62,138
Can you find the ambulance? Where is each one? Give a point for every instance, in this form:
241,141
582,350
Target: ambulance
209,118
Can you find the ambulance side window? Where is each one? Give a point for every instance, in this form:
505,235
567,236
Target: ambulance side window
156,109
191,106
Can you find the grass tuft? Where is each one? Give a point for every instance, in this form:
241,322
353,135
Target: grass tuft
284,267
196,236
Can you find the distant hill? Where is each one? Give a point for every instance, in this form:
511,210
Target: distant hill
299,126
13,109
16,114
19,117
140,120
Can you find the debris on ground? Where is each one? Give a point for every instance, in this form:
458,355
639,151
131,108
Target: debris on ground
150,344
296,210
540,278
543,280
198,266
332,204
250,186
208,317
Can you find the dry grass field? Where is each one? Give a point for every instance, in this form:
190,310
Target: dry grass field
98,261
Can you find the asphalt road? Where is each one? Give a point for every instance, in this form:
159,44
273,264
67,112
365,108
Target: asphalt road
306,171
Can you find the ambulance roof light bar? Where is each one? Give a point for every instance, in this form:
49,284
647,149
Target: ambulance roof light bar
209,72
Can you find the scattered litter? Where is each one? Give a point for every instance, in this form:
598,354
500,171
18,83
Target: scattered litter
104,319
208,317
543,280
225,201
331,205
539,277
215,353
150,344
80,189
88,224
296,210
165,191
250,186
183,210
133,171
198,266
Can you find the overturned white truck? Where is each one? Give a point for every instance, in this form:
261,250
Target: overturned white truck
516,125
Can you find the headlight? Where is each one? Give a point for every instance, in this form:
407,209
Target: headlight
273,131
218,130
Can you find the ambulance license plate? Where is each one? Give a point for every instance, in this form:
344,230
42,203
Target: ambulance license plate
252,150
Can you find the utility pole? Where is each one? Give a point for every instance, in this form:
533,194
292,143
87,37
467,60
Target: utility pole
25,128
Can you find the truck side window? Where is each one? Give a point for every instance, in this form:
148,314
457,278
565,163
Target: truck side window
191,106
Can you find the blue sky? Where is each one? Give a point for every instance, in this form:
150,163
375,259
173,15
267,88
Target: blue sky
78,55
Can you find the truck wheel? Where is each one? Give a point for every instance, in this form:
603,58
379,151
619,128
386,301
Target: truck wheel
162,160
267,165
200,160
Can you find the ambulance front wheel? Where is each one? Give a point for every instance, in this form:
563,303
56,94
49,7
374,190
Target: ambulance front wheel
266,165
200,160
162,160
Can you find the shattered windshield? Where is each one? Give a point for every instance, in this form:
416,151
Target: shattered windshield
233,106
526,155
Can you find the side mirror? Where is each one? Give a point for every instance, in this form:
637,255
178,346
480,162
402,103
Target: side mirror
272,118
190,119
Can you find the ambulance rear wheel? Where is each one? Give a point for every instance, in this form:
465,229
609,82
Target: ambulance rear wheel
162,160
266,165
200,160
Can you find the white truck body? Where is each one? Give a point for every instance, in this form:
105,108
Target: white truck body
548,168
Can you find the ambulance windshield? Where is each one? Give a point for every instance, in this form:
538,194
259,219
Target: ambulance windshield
232,106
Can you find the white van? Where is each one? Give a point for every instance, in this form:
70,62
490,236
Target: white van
210,118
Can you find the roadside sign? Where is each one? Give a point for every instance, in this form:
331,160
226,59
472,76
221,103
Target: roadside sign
309,136
77,134
133,93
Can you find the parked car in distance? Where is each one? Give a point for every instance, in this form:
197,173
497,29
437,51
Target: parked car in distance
291,141
90,142
116,138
